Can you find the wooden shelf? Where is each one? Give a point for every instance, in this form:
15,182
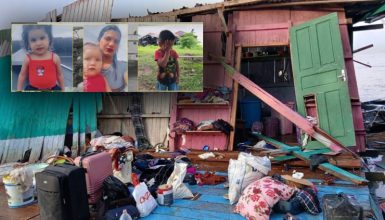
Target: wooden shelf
203,105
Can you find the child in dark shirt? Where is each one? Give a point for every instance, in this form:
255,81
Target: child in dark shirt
167,60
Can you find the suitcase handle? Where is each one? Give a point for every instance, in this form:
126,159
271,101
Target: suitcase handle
86,155
56,158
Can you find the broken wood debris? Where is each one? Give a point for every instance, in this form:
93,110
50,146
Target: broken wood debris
327,167
284,110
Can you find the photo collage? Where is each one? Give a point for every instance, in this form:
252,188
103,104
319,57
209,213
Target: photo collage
107,57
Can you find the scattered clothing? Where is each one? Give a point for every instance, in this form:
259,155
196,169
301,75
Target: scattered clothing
206,155
209,179
223,126
205,125
309,200
111,141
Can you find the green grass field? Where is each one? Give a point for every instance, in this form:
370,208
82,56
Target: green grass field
191,70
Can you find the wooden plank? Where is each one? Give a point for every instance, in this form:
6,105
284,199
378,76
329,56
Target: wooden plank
233,116
283,158
342,174
223,21
277,144
260,27
327,167
362,48
285,111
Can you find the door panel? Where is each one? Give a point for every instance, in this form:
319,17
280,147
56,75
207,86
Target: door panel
319,70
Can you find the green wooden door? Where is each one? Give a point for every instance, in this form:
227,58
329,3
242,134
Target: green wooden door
319,72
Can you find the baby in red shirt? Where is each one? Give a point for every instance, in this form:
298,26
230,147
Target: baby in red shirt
93,79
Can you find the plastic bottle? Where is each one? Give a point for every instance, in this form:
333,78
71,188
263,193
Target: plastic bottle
125,215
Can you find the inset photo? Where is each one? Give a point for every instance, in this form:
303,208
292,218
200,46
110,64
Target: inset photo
41,57
170,57
105,58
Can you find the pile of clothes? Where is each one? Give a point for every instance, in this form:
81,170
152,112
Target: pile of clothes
185,124
220,95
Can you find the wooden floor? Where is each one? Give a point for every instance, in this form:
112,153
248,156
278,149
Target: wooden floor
210,205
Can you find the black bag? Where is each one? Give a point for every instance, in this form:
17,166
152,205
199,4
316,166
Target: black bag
62,193
341,207
116,193
114,214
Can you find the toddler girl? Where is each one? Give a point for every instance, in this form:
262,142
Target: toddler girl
41,66
94,81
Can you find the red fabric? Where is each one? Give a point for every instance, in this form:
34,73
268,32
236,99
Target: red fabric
42,74
95,84
209,179
159,54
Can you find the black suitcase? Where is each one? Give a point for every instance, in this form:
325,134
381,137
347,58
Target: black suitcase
62,193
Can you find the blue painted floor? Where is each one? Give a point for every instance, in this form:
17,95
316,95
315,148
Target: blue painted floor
212,205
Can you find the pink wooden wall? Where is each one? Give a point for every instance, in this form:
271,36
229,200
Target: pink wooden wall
214,74
271,27
255,28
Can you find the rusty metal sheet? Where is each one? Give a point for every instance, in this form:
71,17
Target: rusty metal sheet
87,11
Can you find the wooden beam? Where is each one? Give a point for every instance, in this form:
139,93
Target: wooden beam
293,116
362,48
261,27
223,21
342,174
233,116
364,64
327,167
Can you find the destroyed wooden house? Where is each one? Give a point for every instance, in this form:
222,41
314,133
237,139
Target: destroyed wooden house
287,59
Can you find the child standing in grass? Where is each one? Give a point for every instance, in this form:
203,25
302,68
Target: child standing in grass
41,66
167,60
